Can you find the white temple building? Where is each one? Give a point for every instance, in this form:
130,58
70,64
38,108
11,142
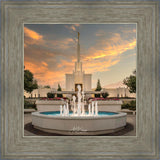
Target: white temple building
78,77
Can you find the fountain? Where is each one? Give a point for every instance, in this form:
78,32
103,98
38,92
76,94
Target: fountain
79,121
78,108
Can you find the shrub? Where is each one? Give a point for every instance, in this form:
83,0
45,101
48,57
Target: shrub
59,89
105,95
50,95
98,89
131,105
29,105
97,95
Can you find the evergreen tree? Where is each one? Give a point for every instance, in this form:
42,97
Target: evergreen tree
59,89
99,88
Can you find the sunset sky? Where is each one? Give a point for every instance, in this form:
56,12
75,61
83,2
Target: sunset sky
108,51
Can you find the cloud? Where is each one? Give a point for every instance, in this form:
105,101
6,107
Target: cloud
99,66
66,66
44,75
48,67
107,51
62,44
107,47
72,27
50,60
45,64
77,25
32,38
32,34
128,31
100,33
37,54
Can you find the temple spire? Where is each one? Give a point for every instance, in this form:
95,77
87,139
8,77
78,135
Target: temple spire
78,49
78,64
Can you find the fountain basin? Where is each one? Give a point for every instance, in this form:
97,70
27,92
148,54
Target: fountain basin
79,125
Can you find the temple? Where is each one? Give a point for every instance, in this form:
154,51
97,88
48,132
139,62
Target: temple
78,77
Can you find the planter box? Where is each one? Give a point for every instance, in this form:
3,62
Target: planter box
110,105
49,105
29,110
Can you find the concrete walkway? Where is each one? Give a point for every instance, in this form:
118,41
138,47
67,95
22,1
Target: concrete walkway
129,130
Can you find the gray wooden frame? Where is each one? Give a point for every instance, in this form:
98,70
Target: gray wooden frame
144,144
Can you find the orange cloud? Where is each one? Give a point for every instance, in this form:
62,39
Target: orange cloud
25,45
59,44
67,66
45,64
99,66
101,55
113,46
32,34
99,58
77,25
32,37
128,31
108,54
72,27
64,44
45,76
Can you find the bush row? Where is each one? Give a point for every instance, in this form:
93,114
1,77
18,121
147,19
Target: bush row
131,105
29,105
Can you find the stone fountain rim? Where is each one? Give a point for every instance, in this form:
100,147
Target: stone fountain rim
120,114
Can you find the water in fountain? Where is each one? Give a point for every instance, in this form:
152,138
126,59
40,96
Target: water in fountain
78,108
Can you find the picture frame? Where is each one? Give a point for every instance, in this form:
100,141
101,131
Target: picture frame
15,144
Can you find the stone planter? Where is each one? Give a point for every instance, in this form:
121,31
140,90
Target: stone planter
110,105
49,105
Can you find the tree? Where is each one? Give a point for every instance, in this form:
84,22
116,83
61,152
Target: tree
29,83
50,95
59,89
99,88
47,86
130,82
105,95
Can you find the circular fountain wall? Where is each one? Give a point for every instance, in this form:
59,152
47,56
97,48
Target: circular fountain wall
104,122
79,122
